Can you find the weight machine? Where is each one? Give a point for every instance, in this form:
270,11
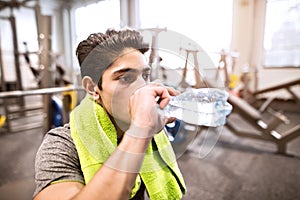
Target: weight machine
258,123
154,58
199,84
43,75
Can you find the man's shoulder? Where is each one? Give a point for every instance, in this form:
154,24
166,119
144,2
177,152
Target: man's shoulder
59,138
62,132
57,159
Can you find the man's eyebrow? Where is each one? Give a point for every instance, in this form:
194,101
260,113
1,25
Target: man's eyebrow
124,70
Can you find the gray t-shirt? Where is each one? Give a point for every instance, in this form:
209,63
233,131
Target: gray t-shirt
57,159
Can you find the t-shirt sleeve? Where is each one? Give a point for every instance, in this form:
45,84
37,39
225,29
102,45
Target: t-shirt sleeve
57,159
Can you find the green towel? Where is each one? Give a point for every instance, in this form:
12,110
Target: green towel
95,138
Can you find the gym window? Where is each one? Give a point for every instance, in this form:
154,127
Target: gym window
281,37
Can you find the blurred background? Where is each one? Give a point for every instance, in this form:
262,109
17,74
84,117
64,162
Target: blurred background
250,48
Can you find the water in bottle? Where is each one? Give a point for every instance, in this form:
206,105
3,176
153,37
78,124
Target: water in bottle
203,106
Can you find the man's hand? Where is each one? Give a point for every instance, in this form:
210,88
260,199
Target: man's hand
144,105
172,92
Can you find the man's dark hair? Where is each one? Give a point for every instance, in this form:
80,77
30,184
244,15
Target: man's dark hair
99,51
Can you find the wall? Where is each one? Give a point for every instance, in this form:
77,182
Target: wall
247,39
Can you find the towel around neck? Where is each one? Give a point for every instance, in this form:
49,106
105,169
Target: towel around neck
95,138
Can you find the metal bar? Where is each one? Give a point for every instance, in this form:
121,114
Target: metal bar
199,82
297,99
291,133
43,91
266,104
4,18
277,87
46,92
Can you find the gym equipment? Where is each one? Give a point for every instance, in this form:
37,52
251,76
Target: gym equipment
286,86
258,126
183,84
154,58
251,122
15,105
36,72
57,106
12,5
47,121
266,129
2,120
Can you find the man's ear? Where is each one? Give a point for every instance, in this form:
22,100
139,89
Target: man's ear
89,87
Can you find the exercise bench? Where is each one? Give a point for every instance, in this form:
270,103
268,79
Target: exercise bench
266,129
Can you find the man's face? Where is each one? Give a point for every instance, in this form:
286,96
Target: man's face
128,73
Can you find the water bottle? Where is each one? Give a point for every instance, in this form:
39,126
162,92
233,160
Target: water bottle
203,106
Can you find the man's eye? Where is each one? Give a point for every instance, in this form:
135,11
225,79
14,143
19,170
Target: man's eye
146,76
129,78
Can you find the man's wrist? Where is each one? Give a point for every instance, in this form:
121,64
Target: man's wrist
125,161
133,144
140,132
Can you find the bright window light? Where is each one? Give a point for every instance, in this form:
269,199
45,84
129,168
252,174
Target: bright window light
97,17
281,39
209,23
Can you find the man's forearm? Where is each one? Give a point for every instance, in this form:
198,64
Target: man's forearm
116,178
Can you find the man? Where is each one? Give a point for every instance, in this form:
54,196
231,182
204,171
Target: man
114,146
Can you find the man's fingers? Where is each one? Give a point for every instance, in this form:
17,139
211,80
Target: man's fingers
171,90
163,94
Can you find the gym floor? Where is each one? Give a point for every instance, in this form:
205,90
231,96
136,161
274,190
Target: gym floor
216,165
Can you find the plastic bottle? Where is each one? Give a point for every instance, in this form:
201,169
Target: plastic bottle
203,106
